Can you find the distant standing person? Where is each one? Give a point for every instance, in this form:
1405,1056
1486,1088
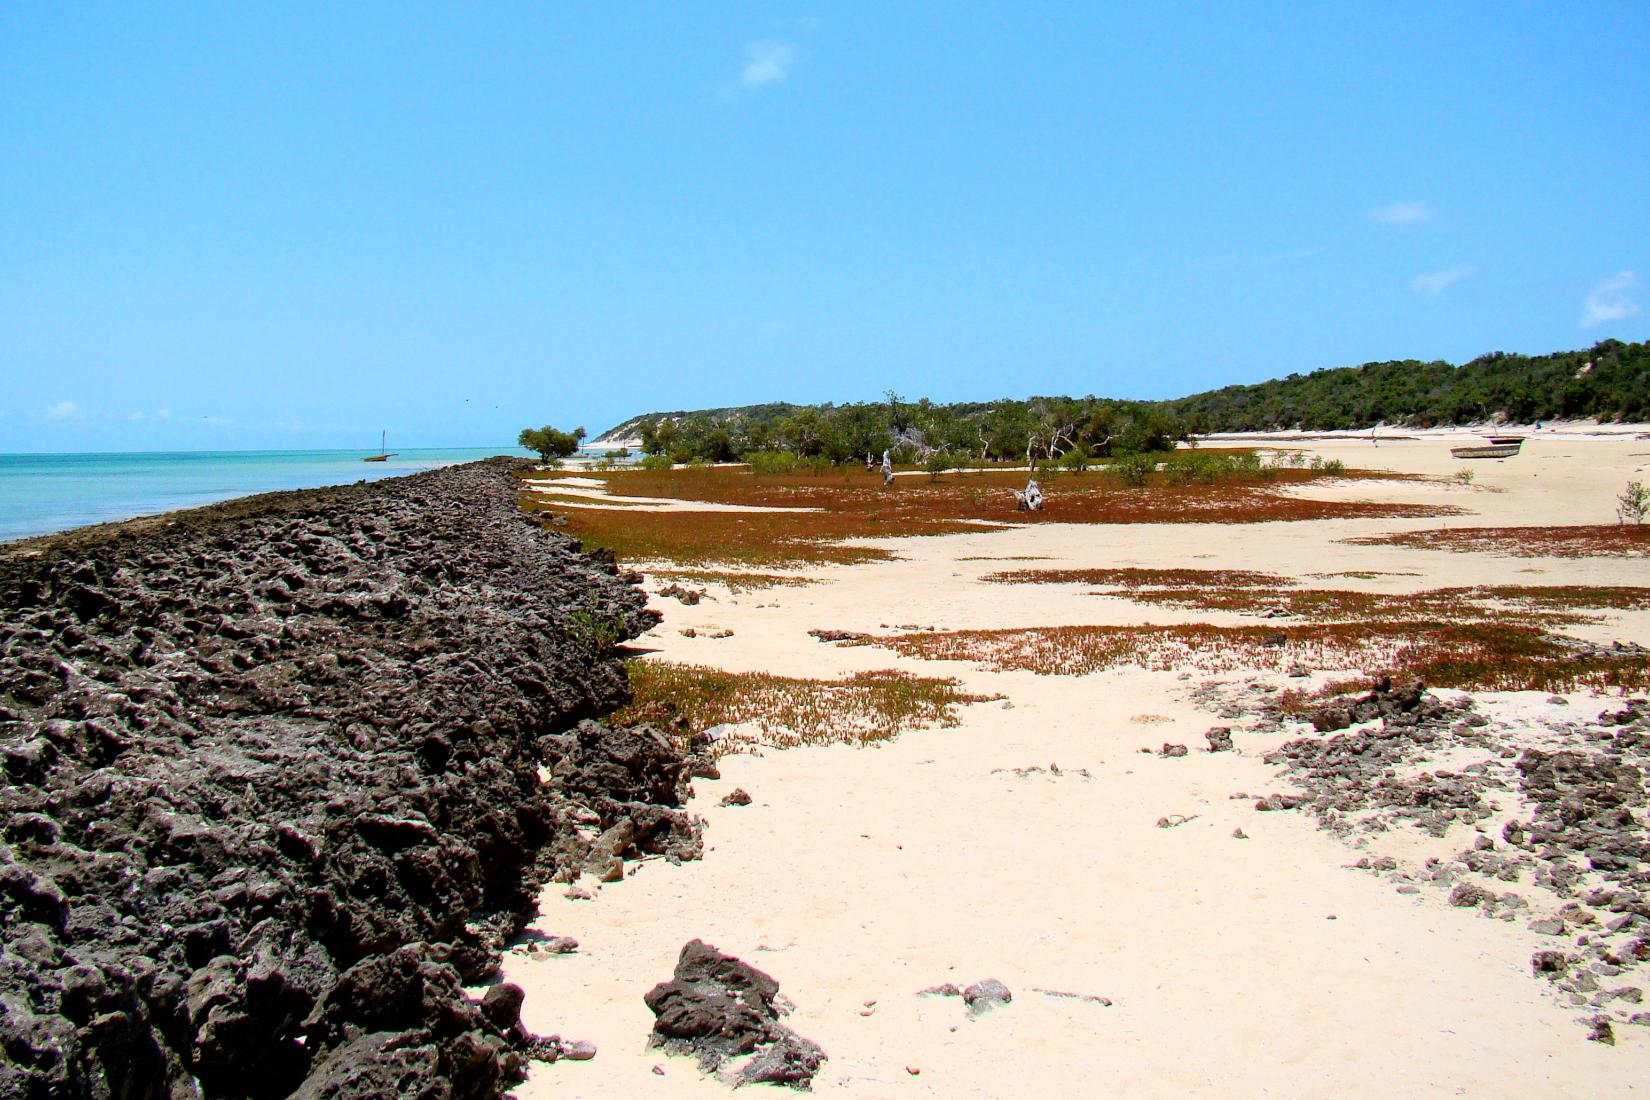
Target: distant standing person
887,468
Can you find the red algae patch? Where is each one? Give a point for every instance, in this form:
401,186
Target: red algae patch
1598,541
1464,655
1143,578
1536,605
815,514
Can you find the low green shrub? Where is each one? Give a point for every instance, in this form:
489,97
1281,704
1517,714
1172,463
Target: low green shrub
771,462
1134,469
1078,459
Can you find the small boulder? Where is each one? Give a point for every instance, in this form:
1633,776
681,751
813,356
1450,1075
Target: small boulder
606,858
982,997
1551,964
718,1007
1467,896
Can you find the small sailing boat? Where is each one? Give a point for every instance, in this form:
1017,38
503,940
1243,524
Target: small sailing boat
382,455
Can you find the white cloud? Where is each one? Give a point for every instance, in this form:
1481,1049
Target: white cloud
62,410
1436,282
768,61
217,422
1403,213
1612,299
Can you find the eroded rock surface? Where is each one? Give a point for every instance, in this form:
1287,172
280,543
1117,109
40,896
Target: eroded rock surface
272,788
719,1008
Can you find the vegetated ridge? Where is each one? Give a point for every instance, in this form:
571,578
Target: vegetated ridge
1609,382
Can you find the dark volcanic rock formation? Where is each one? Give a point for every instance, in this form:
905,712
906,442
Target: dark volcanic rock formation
272,788
717,1007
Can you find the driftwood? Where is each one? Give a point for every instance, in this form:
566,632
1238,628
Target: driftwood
1031,499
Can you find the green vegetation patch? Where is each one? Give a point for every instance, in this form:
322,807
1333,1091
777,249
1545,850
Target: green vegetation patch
735,582
865,707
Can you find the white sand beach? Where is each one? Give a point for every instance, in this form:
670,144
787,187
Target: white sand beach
1025,845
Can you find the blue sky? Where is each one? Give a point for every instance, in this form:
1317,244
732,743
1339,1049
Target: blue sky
288,226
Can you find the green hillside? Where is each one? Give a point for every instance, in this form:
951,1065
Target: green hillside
1609,381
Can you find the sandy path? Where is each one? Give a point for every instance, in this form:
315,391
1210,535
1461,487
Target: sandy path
1235,967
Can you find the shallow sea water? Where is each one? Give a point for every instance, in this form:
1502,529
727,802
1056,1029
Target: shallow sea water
40,493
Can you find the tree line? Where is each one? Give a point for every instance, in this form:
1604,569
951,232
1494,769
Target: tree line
1609,381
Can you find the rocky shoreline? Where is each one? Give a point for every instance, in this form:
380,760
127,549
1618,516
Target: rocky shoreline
283,775
1531,815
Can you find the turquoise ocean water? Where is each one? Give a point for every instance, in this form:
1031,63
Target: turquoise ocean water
42,493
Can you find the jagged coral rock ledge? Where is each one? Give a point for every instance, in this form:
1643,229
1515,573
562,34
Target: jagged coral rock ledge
273,787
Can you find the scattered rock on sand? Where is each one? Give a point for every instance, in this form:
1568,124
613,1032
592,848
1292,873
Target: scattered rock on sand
688,596
1600,1031
1089,998
1172,750
736,797
982,997
1219,738
1274,802
1406,704
1551,964
841,637
718,1009
1467,896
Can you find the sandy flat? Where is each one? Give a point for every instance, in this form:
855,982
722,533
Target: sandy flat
594,493
1234,967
